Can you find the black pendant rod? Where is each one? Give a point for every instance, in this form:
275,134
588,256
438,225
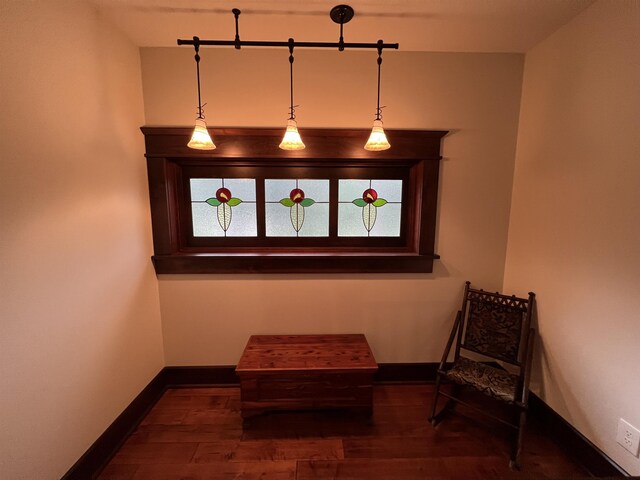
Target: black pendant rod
196,43
379,64
246,43
292,115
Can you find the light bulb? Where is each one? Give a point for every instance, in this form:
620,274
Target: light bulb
291,139
377,140
200,138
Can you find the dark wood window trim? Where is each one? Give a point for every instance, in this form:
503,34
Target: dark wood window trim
414,156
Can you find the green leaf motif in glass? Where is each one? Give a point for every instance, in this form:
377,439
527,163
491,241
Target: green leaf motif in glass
233,201
380,202
359,202
287,202
214,202
307,202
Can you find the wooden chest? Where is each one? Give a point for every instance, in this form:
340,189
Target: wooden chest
287,372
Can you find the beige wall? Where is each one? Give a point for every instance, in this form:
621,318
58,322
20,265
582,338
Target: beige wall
79,313
207,319
574,236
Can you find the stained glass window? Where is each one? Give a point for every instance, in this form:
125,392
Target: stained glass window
371,212
224,207
369,208
296,208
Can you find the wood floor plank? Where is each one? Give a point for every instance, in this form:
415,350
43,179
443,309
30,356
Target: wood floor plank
193,401
186,433
160,416
269,450
157,453
211,417
118,472
416,447
281,470
305,425
359,469
402,395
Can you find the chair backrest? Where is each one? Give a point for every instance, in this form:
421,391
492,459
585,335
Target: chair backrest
495,325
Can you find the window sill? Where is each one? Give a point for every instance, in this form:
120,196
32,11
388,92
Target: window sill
294,263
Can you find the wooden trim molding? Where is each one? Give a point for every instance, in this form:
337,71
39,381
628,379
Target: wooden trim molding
98,455
211,375
574,443
89,466
331,154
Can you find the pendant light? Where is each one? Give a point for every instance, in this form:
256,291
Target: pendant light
200,138
291,139
378,140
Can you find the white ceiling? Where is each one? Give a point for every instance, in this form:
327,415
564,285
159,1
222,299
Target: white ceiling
418,25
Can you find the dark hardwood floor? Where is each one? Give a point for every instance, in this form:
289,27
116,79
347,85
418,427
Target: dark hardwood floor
198,434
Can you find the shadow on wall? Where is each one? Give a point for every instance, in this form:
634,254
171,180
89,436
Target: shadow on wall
547,376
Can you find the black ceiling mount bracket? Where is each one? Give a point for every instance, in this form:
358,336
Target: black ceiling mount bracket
340,14
236,13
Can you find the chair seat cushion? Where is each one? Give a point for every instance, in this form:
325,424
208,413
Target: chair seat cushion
492,381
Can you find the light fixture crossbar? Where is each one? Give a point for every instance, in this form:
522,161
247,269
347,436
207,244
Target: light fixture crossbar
248,43
340,14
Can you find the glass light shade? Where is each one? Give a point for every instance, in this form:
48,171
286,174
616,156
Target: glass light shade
200,139
377,140
291,139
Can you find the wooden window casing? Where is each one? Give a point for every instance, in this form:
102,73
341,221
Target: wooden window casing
330,154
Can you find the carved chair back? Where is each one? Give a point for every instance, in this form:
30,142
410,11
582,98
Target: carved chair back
494,325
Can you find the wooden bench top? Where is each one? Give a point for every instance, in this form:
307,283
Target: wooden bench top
316,353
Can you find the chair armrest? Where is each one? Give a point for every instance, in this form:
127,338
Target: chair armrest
447,349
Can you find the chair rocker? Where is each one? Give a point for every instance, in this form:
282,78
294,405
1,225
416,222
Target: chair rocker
498,328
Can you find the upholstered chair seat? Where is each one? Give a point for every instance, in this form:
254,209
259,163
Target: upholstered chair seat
489,380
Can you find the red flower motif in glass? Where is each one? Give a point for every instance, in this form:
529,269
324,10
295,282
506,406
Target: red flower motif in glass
370,195
296,195
223,195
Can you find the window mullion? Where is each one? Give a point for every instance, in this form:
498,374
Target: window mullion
260,207
333,208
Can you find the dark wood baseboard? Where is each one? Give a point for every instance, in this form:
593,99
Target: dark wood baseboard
213,375
406,372
574,443
96,457
99,454
226,375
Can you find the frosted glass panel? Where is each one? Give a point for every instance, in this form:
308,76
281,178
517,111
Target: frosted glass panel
243,188
205,221
296,208
316,189
316,223
203,188
387,222
350,189
243,221
350,221
223,207
369,208
278,221
276,190
390,190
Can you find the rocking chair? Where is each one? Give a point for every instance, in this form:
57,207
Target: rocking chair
498,327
